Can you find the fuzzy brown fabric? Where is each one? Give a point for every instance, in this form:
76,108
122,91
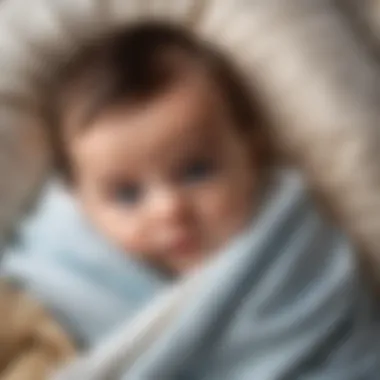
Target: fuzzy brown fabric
32,344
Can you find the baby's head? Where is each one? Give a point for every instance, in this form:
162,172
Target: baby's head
159,139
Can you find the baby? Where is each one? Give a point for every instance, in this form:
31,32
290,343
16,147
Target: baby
159,139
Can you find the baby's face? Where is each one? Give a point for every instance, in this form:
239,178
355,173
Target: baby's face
170,180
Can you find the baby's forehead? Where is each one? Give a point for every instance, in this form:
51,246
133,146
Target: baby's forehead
190,106
186,119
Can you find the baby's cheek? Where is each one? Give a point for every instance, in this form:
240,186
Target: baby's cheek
120,231
221,209
227,210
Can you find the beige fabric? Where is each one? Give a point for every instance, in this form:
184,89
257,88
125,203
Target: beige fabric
316,78
32,344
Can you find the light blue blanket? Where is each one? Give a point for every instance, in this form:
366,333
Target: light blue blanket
282,302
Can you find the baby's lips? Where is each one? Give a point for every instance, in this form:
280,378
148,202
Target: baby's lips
182,243
185,245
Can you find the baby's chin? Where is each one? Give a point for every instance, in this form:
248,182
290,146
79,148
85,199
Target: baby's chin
177,262
185,262
182,267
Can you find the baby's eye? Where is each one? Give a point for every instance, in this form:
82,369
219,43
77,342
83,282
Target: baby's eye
198,170
128,194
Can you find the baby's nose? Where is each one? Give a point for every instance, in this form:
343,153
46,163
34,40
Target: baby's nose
169,206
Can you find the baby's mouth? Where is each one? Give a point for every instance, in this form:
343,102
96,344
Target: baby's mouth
184,246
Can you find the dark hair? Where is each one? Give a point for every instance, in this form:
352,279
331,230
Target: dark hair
130,64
